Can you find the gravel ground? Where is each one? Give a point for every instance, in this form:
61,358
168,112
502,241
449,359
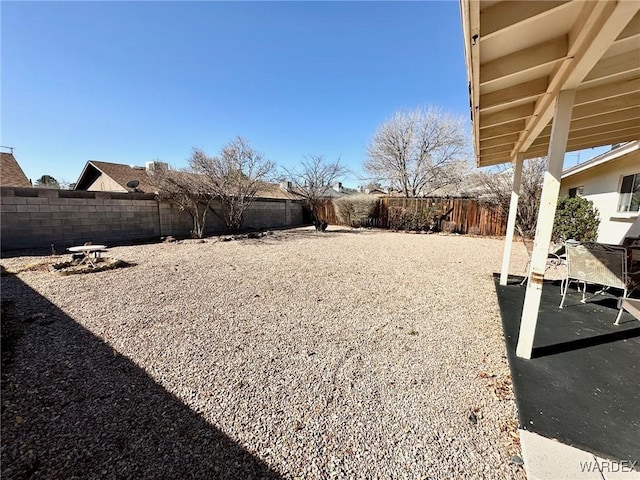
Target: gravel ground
349,354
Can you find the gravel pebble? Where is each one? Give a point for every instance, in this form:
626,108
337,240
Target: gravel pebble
348,354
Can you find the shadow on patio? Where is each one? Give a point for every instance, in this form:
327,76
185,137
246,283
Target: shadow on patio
581,385
72,407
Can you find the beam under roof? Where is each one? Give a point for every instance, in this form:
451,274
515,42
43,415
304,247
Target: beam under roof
521,54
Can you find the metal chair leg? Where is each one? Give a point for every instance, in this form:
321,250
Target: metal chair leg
617,322
564,293
527,271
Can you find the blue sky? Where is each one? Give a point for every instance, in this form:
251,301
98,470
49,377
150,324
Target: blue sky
130,82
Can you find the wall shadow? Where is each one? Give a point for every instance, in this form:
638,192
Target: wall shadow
72,407
61,250
587,342
332,231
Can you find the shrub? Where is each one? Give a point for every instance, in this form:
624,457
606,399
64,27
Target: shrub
449,227
401,218
397,218
355,210
576,218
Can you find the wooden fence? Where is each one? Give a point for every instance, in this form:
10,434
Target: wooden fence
464,215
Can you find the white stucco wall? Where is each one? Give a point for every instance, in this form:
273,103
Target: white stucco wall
601,186
104,183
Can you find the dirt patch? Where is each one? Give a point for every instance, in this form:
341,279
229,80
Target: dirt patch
70,267
99,265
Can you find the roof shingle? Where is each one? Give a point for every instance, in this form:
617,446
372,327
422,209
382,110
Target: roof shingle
120,173
11,175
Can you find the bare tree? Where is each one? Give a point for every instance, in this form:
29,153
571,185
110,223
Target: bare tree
497,186
418,152
313,179
234,177
65,184
187,191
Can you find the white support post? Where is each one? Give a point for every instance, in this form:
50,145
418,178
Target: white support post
511,222
546,214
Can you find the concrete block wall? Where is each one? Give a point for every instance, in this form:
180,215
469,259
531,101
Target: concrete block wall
38,218
268,213
263,213
173,221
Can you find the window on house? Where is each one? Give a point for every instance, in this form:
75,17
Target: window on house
630,193
576,192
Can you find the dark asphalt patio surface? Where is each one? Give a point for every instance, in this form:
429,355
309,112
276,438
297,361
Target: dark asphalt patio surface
581,386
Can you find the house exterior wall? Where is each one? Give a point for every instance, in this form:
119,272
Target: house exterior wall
105,183
39,218
602,186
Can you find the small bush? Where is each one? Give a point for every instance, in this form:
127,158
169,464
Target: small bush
449,227
401,218
355,210
397,218
474,231
576,218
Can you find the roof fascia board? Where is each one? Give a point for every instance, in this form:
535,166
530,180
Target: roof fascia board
84,169
601,159
470,13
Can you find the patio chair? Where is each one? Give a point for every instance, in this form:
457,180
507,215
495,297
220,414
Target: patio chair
598,264
553,258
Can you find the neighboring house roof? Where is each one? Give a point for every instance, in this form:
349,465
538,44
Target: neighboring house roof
333,193
122,174
275,190
118,172
471,185
614,153
328,193
11,175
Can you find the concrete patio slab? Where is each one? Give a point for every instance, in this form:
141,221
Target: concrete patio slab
547,459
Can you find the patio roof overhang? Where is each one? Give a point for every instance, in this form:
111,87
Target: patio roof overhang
521,54
545,78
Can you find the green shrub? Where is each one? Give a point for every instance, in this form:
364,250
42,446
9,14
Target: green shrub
355,210
576,218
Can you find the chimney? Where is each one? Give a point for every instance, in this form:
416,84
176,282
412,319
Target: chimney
286,186
155,166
